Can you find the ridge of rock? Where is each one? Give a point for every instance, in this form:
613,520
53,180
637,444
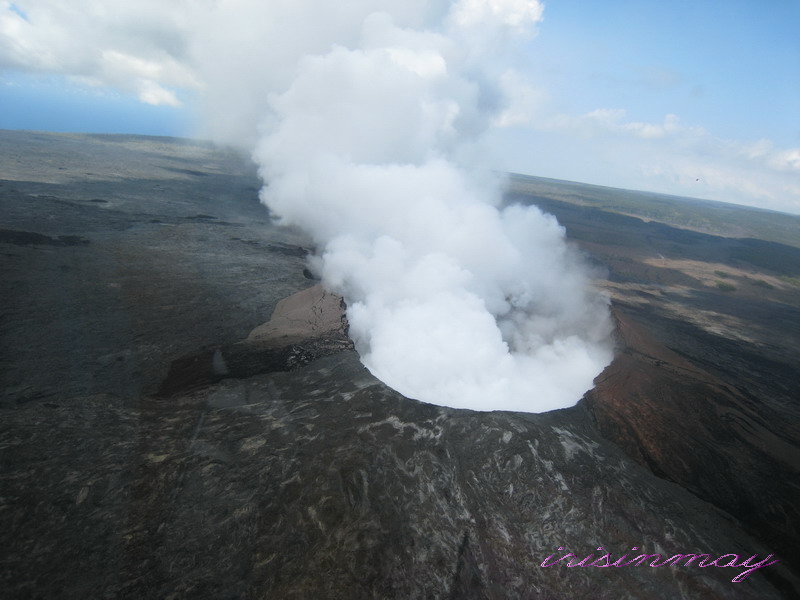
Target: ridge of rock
303,327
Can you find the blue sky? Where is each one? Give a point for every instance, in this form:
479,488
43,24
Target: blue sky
54,103
694,98
732,67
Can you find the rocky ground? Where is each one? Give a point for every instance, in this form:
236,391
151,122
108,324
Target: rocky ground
162,437
705,389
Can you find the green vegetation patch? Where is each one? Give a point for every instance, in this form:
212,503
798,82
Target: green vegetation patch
722,274
791,280
763,284
725,286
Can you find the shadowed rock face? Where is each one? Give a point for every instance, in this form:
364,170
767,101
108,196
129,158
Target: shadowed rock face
304,327
272,464
691,427
704,390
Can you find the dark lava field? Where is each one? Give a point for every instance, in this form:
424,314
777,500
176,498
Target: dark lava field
151,447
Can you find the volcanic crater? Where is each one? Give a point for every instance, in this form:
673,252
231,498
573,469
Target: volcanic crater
185,416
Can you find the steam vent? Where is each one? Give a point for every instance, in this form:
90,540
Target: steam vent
185,416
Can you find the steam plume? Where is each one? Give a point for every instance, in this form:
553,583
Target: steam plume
365,118
368,143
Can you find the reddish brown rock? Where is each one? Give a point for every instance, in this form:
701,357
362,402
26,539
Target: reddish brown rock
689,426
312,313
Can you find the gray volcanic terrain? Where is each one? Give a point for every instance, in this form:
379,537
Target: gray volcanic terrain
173,428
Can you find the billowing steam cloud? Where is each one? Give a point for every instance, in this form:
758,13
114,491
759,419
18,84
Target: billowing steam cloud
365,119
368,145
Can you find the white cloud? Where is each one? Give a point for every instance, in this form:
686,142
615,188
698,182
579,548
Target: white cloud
613,121
604,146
516,14
523,100
136,47
785,160
150,92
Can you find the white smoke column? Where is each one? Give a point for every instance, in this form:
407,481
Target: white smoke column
366,118
450,299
